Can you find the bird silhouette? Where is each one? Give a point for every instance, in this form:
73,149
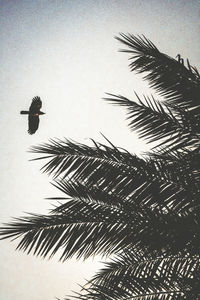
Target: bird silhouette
180,59
33,114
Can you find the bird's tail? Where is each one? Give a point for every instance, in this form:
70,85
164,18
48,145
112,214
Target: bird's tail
24,112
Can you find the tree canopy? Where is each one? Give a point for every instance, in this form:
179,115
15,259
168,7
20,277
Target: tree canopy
141,211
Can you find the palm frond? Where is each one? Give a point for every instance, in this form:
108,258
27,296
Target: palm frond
173,80
164,269
117,173
141,195
179,167
156,122
131,277
97,292
87,228
67,157
45,235
151,120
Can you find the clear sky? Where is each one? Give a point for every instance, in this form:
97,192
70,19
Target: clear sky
65,52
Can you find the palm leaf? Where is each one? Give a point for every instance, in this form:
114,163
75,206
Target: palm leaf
165,269
157,123
163,278
174,81
97,292
115,172
86,228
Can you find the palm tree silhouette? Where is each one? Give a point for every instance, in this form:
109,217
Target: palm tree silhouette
143,212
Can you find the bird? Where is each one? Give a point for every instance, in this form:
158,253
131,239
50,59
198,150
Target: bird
33,114
180,59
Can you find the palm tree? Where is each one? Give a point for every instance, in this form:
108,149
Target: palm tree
143,212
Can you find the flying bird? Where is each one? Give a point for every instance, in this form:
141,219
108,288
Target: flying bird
33,114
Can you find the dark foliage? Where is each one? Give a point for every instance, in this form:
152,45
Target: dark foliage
142,211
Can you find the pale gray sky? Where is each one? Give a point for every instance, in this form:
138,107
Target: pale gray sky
64,51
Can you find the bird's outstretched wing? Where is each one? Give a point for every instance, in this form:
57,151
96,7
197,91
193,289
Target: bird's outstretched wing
33,123
35,105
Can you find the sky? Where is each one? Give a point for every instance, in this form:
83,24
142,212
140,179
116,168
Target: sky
65,52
